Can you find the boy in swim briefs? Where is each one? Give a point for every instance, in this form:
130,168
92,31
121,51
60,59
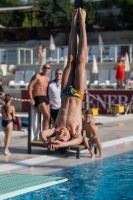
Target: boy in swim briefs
91,134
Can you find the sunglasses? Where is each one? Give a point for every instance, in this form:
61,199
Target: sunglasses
46,67
59,73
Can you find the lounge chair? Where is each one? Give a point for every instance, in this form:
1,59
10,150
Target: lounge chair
56,56
34,128
129,84
103,76
65,52
111,56
112,79
28,75
94,51
18,79
94,84
88,77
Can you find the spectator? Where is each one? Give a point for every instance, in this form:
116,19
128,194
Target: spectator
120,73
37,90
54,91
8,115
39,48
91,135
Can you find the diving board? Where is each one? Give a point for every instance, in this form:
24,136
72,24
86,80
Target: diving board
16,184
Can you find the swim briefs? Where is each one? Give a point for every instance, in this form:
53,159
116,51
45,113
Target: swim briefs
71,91
41,99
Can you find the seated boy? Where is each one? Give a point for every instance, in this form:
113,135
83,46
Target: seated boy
91,135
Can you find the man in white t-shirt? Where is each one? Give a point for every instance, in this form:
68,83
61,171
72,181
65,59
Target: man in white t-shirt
54,91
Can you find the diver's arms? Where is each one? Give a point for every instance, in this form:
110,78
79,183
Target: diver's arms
45,134
77,140
55,144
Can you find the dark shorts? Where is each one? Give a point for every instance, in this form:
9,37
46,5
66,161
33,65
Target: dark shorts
54,113
41,99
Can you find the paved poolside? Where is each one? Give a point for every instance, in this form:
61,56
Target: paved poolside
43,162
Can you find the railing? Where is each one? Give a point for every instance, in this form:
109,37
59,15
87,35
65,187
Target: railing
24,50
25,55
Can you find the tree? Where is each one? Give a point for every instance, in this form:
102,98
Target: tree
14,18
55,12
89,6
58,12
126,7
10,2
110,23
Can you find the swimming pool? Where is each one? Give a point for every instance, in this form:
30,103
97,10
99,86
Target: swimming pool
106,179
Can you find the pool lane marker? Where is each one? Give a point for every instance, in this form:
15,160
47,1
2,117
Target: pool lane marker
43,159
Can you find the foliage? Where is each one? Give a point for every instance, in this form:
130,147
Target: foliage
126,7
55,12
9,2
14,18
110,23
27,20
91,12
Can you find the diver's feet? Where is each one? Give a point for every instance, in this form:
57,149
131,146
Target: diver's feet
74,17
82,16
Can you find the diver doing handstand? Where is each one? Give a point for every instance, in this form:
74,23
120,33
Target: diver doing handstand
68,124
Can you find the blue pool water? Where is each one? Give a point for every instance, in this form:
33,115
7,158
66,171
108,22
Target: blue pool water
106,179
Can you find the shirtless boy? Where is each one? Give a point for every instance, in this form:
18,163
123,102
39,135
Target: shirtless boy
68,124
91,135
38,94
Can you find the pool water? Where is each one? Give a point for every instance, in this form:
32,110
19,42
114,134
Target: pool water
106,179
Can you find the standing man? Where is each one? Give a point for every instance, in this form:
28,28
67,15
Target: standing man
68,125
37,90
54,91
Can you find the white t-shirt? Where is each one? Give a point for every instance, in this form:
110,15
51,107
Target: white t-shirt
54,91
